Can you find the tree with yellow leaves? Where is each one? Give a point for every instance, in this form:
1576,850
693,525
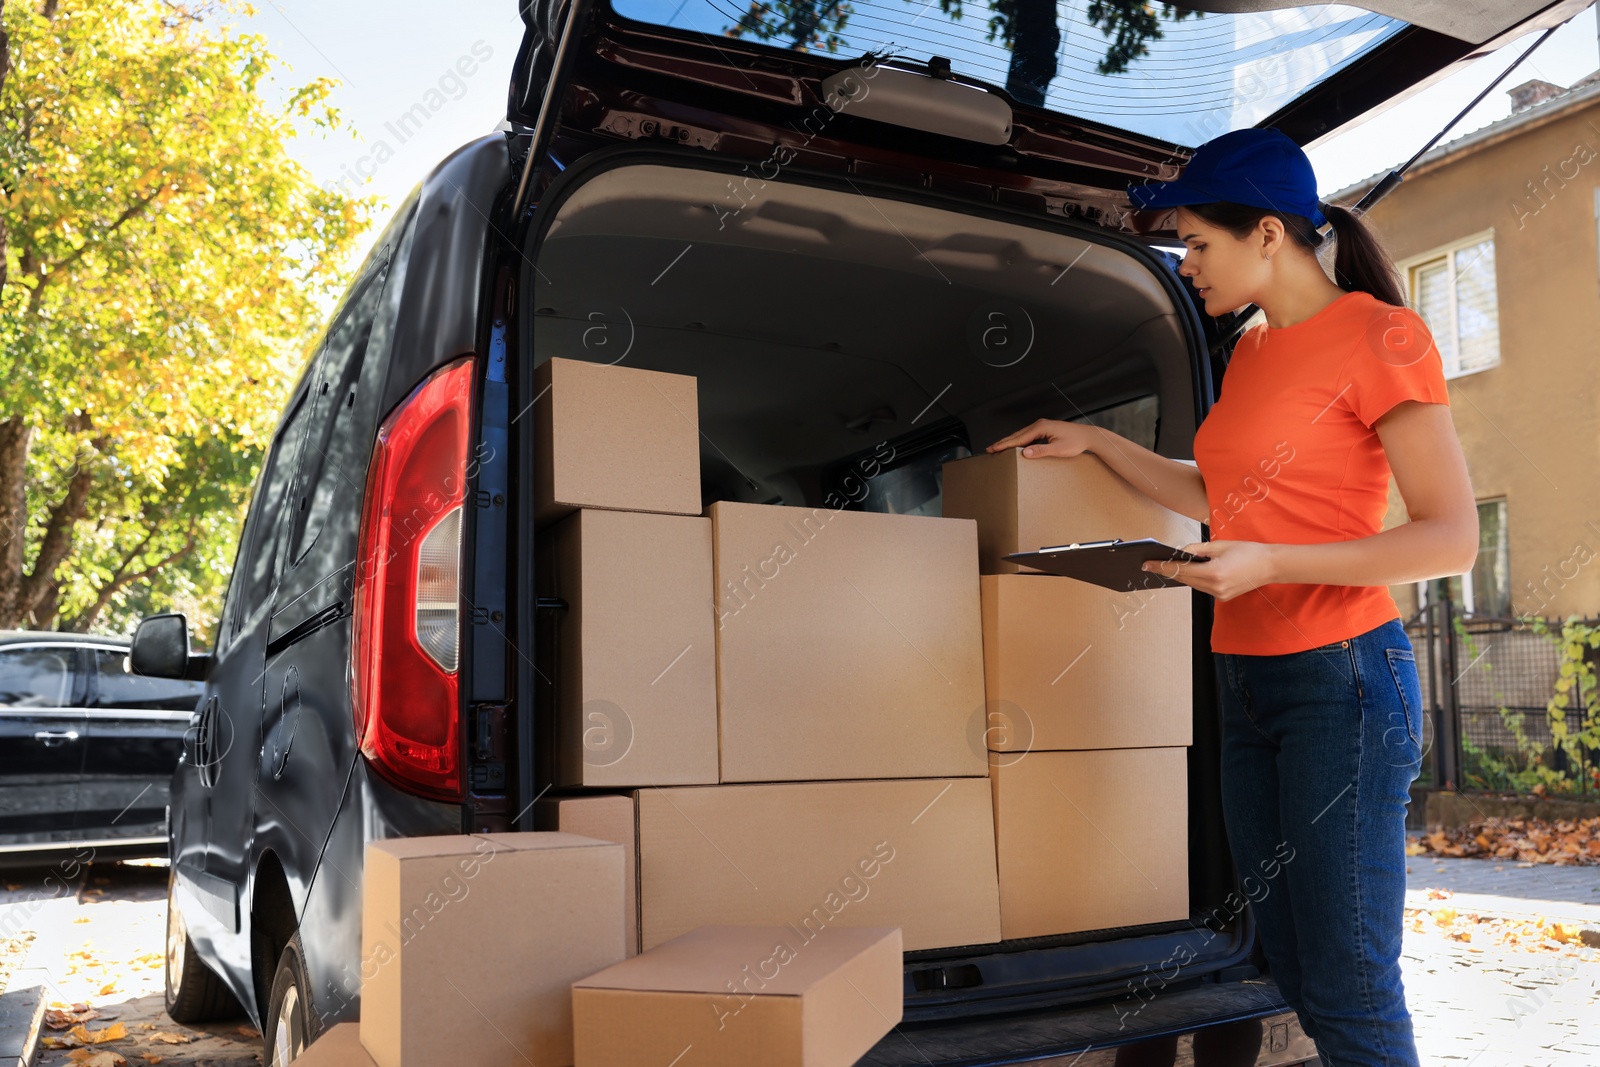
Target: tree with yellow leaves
165,265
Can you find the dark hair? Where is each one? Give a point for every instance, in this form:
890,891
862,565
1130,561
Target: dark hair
1360,262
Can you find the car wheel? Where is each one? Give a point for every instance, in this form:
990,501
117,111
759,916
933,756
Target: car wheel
290,1021
194,992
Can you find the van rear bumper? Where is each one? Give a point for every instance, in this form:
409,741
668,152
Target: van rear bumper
1237,1023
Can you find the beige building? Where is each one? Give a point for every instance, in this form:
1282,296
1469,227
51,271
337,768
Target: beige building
1497,234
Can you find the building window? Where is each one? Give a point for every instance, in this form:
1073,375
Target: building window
1488,586
1453,289
1486,589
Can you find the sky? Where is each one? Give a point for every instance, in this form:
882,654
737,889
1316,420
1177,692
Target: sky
389,56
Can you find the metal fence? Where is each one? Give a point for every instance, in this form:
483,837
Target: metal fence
1487,682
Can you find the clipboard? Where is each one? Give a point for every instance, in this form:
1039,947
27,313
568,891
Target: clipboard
1114,564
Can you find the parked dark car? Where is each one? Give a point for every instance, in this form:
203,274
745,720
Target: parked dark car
87,748
931,266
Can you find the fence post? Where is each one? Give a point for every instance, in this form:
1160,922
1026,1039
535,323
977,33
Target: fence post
1558,760
1448,743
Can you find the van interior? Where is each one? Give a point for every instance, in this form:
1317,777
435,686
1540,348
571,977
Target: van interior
821,321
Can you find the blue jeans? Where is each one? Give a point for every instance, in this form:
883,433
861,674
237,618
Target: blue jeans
1319,749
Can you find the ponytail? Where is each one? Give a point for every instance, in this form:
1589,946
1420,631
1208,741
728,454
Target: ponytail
1360,263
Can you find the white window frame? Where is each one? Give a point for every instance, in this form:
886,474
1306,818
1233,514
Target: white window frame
1407,268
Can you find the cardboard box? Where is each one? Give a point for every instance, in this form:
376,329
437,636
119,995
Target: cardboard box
849,644
1025,504
1070,665
608,818
635,699
1091,840
470,945
339,1046
742,995
912,853
614,437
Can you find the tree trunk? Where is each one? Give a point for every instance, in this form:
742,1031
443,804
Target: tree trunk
1035,42
48,614
16,436
56,544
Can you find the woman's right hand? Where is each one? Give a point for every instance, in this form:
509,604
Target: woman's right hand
1050,437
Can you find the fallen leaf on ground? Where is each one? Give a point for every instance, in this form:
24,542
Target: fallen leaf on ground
1563,842
249,1031
103,1058
114,1032
65,1019
169,1038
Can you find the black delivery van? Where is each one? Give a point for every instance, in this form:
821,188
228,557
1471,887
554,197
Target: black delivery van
858,226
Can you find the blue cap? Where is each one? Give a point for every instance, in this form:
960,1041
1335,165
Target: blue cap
1262,168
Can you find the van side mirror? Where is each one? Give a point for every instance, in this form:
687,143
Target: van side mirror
161,647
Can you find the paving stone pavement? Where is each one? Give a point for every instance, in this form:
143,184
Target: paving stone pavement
1483,1004
1571,893
101,932
1477,1004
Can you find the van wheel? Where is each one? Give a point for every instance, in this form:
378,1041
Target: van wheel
290,1020
194,992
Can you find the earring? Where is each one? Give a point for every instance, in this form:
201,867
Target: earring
1269,257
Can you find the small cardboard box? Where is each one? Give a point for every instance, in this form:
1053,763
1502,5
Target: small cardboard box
1091,840
339,1046
915,853
743,995
635,697
472,943
849,644
614,437
1070,665
1025,504
608,817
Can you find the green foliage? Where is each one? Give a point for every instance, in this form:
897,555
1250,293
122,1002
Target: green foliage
1574,719
167,265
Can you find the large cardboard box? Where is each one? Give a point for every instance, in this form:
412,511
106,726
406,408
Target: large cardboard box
1091,840
608,817
1070,665
635,650
339,1046
912,853
1025,504
849,644
743,995
470,945
614,437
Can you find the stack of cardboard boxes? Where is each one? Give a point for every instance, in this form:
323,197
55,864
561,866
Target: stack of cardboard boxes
1090,699
792,697
500,950
823,715
788,744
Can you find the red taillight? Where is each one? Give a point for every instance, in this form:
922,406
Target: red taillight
407,588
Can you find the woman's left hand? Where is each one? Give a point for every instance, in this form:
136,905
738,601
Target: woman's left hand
1234,567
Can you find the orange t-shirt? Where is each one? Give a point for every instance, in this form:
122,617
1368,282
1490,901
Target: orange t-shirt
1289,456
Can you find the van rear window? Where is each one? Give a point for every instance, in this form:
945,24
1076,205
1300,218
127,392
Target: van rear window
1198,76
